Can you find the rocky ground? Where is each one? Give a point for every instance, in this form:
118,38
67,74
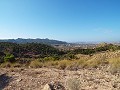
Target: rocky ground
36,79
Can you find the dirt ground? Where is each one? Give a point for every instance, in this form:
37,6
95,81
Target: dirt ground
36,79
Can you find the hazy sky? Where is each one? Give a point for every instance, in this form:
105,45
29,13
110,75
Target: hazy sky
67,20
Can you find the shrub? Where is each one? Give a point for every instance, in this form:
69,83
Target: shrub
16,65
6,65
51,64
49,59
1,59
93,63
114,65
63,64
81,63
36,64
9,58
73,65
69,56
84,51
73,84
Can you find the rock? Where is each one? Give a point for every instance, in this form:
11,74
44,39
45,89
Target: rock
53,86
47,87
18,80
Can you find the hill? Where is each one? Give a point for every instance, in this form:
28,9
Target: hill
28,49
23,41
41,65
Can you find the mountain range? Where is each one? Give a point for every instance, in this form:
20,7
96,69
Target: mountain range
38,40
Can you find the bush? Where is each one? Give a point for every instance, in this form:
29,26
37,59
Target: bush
81,63
83,51
9,58
49,59
36,64
6,65
16,65
114,65
1,59
73,65
51,64
73,84
93,63
63,64
69,56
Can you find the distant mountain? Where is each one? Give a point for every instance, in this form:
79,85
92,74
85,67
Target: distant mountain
44,41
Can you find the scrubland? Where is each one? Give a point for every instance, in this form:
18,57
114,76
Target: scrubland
73,71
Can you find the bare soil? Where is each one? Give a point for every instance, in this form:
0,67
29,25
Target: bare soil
36,79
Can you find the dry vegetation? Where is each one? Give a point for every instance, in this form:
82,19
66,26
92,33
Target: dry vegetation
111,59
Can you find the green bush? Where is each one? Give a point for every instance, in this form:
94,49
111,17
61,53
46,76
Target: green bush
9,58
69,56
49,58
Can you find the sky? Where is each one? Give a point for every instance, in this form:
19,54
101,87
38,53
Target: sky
66,20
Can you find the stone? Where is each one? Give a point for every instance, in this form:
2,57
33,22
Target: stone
47,87
53,86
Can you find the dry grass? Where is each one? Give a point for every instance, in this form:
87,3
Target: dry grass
36,64
111,59
114,65
63,64
73,84
51,64
83,57
6,65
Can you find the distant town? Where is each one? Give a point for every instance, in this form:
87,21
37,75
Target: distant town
72,46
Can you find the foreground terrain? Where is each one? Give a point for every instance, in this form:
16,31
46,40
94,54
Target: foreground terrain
42,67
36,79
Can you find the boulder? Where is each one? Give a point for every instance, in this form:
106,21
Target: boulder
54,86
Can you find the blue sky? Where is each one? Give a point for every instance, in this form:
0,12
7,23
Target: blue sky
67,20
